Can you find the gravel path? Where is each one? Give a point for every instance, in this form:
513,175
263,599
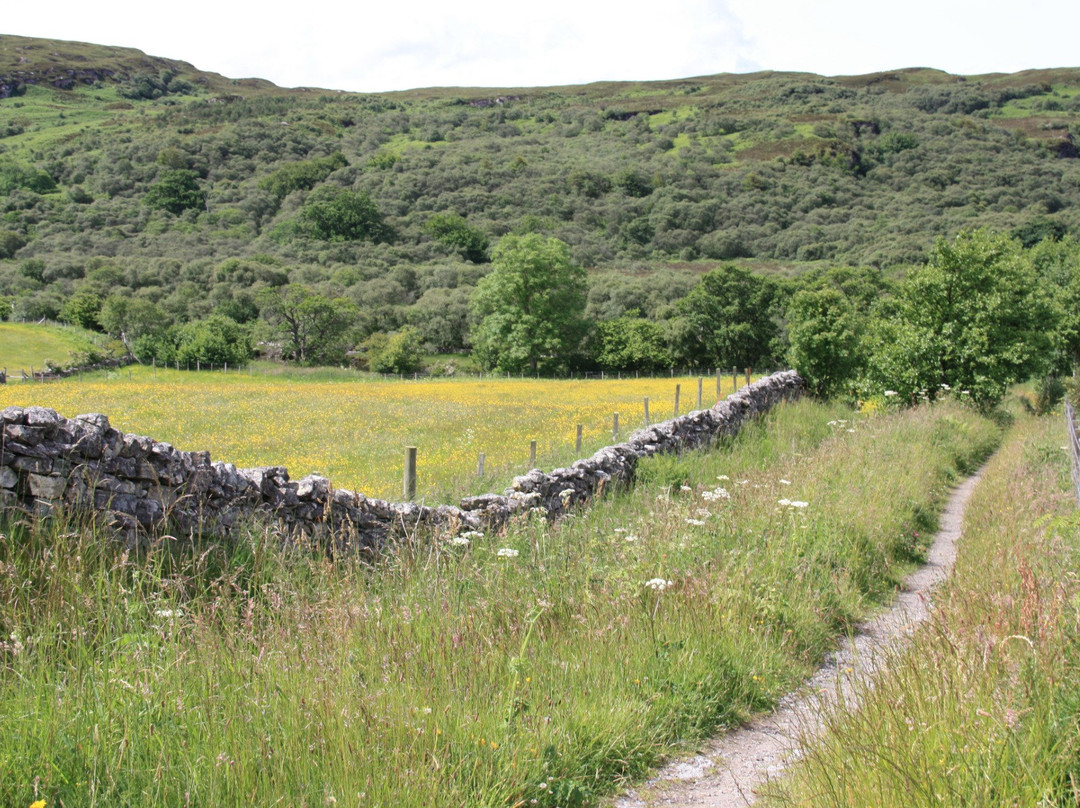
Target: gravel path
731,767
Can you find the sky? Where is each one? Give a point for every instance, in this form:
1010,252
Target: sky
364,46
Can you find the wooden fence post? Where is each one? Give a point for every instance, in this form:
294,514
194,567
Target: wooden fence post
719,387
577,446
532,454
409,487
480,465
734,379
646,411
615,426
700,381
678,389
748,375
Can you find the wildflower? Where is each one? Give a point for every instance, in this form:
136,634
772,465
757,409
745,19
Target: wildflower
890,393
630,537
704,513
695,522
658,584
38,804
785,482
460,541
965,392
620,530
472,534
507,552
785,502
715,494
722,477
799,504
685,488
566,495
168,614
945,387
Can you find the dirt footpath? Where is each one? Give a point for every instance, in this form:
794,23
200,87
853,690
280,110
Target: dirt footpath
731,767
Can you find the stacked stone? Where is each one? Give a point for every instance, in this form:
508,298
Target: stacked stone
139,485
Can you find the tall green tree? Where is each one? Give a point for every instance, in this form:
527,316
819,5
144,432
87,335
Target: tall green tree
825,340
453,231
82,309
176,190
827,322
215,340
973,318
314,329
529,308
338,214
632,343
730,318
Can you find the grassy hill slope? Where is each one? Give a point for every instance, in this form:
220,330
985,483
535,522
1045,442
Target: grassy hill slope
26,345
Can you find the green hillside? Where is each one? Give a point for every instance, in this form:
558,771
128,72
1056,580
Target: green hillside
134,176
26,345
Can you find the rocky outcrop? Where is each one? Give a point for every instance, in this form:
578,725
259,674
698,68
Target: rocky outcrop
138,486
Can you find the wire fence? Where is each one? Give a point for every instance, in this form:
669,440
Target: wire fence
1074,444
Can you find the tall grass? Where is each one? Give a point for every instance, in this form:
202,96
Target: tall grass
984,707
547,664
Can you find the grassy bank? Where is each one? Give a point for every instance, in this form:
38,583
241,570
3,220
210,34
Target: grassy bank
30,345
549,663
984,707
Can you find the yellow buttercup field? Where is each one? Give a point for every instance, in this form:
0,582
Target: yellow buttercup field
354,430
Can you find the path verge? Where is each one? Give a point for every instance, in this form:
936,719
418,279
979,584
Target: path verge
729,770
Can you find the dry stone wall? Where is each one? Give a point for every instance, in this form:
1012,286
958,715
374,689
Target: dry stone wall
139,486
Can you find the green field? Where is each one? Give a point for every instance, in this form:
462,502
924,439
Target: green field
25,345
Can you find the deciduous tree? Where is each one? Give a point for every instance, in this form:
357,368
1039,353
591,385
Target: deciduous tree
529,307
973,318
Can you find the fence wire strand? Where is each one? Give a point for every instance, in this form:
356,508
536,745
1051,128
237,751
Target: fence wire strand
1074,443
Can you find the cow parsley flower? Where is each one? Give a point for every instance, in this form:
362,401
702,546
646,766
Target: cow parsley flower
715,495
659,584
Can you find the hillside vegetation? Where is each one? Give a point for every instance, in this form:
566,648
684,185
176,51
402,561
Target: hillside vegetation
122,173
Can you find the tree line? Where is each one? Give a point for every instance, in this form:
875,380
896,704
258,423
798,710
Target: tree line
982,312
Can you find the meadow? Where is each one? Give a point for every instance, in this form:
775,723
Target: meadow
542,666
353,428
